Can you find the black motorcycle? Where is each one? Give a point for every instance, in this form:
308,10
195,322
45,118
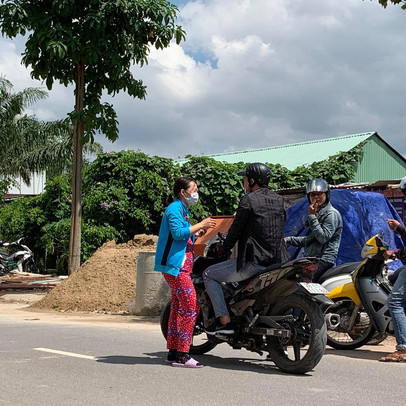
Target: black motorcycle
276,311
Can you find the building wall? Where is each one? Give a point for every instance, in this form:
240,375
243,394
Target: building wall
379,163
36,187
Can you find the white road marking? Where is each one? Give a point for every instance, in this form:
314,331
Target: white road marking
68,354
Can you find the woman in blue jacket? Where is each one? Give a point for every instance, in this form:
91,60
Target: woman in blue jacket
174,258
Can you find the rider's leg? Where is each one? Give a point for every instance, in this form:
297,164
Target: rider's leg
225,272
213,276
396,303
321,269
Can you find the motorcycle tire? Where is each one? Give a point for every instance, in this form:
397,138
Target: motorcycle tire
30,266
196,348
377,338
363,331
303,350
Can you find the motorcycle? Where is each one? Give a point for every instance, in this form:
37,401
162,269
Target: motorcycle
360,311
22,258
341,275
275,311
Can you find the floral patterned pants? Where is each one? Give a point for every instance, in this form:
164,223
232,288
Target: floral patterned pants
184,311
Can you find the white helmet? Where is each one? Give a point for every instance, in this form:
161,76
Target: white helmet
402,185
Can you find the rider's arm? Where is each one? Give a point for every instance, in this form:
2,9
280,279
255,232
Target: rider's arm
401,230
298,241
325,230
240,220
400,253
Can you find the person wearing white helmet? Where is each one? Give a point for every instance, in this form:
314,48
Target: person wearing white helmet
325,226
397,298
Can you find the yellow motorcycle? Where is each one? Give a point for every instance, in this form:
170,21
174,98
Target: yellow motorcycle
360,309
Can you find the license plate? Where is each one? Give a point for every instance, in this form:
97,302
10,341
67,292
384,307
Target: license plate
314,288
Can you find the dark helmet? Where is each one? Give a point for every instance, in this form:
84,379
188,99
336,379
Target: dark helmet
318,185
402,185
259,172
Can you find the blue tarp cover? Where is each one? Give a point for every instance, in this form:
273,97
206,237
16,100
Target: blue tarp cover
363,215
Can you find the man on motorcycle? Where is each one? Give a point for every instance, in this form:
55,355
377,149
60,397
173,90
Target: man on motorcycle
258,229
397,298
325,227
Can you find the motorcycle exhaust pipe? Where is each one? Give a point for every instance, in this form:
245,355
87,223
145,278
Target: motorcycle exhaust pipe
332,320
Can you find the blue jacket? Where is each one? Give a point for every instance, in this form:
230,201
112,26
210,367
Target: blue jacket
173,237
323,239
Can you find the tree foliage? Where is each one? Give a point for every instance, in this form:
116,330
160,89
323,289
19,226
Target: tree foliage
29,145
384,3
107,36
92,43
125,193
128,190
16,136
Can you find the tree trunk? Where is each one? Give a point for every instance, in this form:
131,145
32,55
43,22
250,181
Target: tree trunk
76,219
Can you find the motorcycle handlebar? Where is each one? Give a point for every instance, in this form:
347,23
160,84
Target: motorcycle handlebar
12,244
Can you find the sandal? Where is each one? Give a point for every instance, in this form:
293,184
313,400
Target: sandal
190,363
397,356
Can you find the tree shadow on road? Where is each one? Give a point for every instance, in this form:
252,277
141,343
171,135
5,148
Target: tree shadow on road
256,365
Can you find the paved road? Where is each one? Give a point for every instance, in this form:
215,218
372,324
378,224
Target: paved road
122,364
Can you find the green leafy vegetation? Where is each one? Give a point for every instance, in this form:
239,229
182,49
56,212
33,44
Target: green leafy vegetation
384,3
125,193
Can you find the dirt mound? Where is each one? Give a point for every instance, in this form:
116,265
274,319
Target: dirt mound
105,282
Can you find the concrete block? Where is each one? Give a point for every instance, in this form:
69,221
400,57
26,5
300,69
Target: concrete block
152,292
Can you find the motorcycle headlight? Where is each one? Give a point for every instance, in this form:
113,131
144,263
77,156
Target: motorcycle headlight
369,251
373,246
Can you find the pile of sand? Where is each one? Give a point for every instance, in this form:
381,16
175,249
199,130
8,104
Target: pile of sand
105,282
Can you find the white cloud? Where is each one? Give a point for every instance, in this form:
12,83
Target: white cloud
178,73
258,73
11,67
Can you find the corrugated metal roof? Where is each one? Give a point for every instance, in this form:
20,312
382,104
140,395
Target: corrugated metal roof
293,155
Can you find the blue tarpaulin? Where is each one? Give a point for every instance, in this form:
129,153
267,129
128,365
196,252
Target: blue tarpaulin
363,215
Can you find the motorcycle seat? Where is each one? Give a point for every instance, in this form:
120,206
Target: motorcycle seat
339,270
7,257
261,271
272,267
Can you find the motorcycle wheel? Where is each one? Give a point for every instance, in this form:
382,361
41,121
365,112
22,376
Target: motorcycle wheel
377,338
303,350
342,339
30,266
200,341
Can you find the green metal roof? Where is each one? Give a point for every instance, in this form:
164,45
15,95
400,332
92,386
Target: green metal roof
293,155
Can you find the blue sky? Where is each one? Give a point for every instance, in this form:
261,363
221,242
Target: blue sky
257,73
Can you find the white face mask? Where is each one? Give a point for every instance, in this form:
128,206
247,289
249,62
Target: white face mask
193,199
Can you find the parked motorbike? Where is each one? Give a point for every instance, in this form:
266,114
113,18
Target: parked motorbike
275,311
341,275
359,311
22,259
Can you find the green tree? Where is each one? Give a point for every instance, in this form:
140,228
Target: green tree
28,145
13,125
128,190
93,44
384,3
220,188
